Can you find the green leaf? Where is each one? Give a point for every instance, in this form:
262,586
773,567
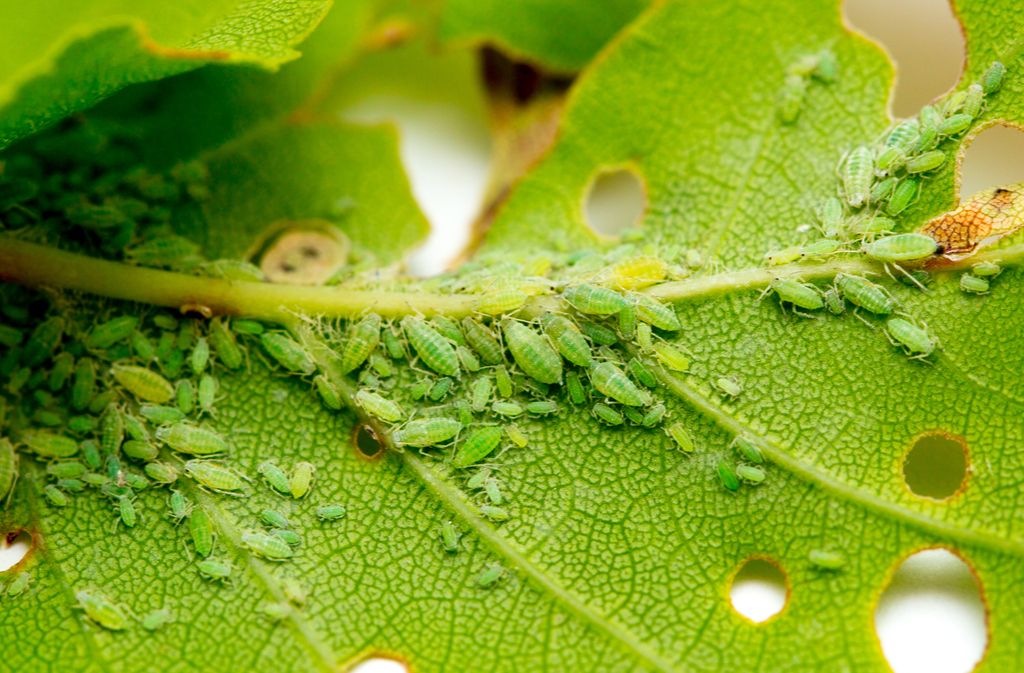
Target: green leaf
60,59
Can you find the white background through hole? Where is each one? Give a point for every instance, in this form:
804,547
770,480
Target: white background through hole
378,665
758,591
615,202
10,554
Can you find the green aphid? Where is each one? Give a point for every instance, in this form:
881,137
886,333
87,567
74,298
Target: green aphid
18,585
826,559
633,415
157,619
165,321
185,396
379,406
858,169
160,414
480,393
55,496
992,80
681,436
490,576
184,437
478,445
161,473
164,251
224,344
876,224
507,409
973,100
865,294
42,342
440,389
728,386
392,344
750,474
215,477
111,332
888,161
654,416
63,365
493,491
276,612
606,414
363,338
179,507
834,301
503,381
46,444
71,485
270,547
78,425
9,336
902,196
532,352
380,365
113,467
135,428
136,482
612,382
65,469
830,215
142,346
51,419
449,537
516,435
574,388
248,327
200,356
925,162
972,284
928,136
331,512
140,450
102,611
504,300
603,336
186,336
18,380
145,384
542,407
301,480
101,401
83,384
494,513
795,293
641,373
200,526
173,364
791,98
823,247
476,482
290,537
727,475
165,346
748,450
126,510
653,312
986,269
287,352
467,359
913,339
955,125
95,479
234,269
448,328
901,248
481,340
435,350
568,339
293,591
627,323
464,412
329,394
206,393
214,570
426,432
274,476
594,300
96,217
419,390
91,454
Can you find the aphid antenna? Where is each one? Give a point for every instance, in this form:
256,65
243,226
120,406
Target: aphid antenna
906,274
858,316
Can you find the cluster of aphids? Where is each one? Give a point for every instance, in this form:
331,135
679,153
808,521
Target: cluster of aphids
822,67
876,184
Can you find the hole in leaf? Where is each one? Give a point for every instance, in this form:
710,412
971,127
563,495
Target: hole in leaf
924,40
936,466
14,549
931,617
367,442
615,201
380,665
994,158
303,252
759,590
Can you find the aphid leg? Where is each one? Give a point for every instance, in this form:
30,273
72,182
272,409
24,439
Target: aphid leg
908,275
858,316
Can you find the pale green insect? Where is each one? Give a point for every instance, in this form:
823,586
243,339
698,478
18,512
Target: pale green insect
55,496
136,482
200,356
865,294
274,476
791,98
419,390
606,414
69,469
83,383
925,162
185,396
627,323
111,430
94,479
206,393
139,449
496,302
162,473
293,591
215,477
477,480
126,510
612,382
91,454
727,475
973,101
379,406
168,250
992,80
478,445
915,340
113,464
276,612
144,384
876,224
568,339
301,480
448,328
821,248
973,284
179,507
467,359
135,428
516,436
830,215
234,269
76,424
200,527
331,512
270,547
250,327
328,392
507,409
901,248
593,300
888,161
426,432
653,312
681,436
287,352
542,407
748,450
826,559
111,332
493,491
490,576
63,365
728,386
18,585
955,125
102,611
834,301
157,619
602,335
929,131
224,344
503,381
574,388
494,513
800,295
449,537
46,444
654,415
436,351
214,570
480,393
986,269
482,341
184,437
532,352
641,373
858,169
633,415
274,519
290,537
380,365
902,196
440,389
161,415
165,322
42,342
750,474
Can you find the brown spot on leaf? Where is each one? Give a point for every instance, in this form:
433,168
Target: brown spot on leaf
984,219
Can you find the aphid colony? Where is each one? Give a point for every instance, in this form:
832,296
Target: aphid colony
876,184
